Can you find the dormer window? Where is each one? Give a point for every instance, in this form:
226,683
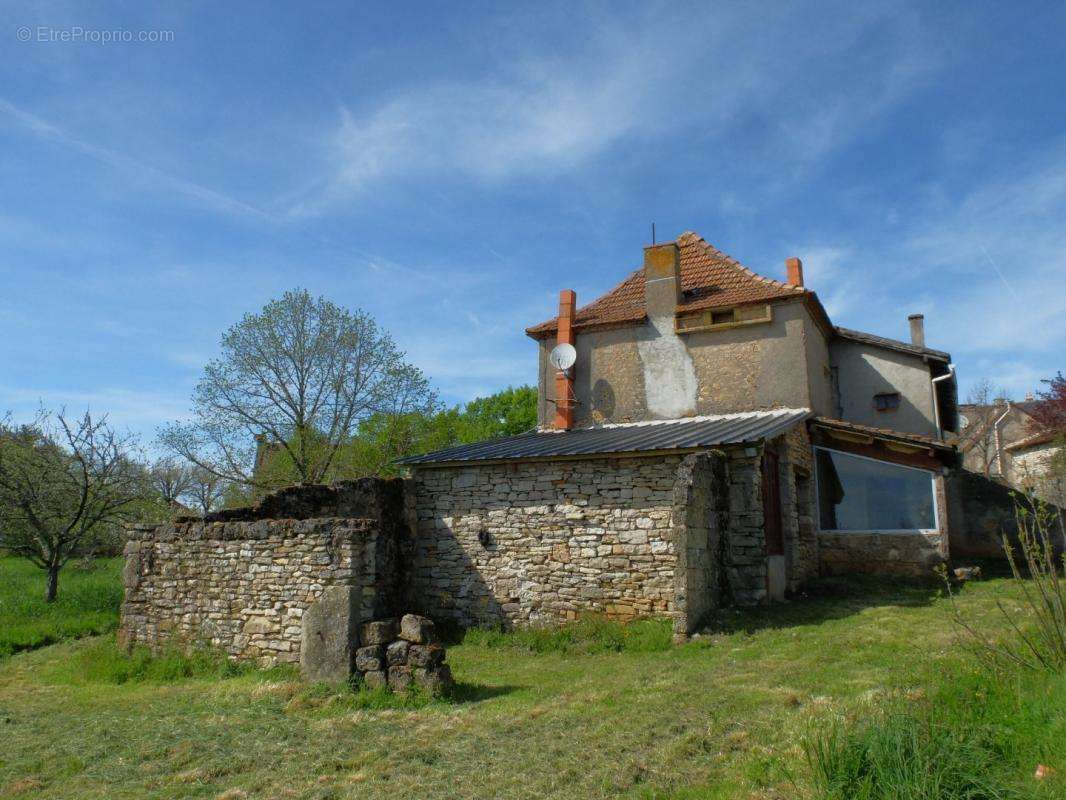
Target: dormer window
886,401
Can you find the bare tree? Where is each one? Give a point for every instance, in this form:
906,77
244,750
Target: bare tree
296,379
171,478
979,438
64,482
205,490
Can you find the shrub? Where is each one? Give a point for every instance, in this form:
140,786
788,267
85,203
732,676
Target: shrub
1037,638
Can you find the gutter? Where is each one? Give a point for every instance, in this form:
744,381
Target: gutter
996,439
936,401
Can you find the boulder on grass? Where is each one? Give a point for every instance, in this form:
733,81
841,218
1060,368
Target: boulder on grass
396,653
381,631
370,659
400,678
416,629
425,656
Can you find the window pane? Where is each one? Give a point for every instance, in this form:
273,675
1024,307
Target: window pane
857,494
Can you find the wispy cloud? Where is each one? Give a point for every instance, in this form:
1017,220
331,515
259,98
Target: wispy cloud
163,181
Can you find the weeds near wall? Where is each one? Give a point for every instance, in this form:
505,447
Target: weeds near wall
590,634
1037,629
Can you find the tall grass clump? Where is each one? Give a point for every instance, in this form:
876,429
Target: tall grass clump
1037,630
978,736
101,661
589,634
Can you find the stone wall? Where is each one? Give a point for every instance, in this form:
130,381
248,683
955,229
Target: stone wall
701,518
539,541
542,541
910,554
270,590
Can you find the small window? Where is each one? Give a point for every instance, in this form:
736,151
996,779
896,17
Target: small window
886,401
856,493
722,317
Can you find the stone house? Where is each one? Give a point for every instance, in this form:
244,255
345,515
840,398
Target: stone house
717,440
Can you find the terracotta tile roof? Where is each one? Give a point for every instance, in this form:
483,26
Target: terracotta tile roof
881,433
709,278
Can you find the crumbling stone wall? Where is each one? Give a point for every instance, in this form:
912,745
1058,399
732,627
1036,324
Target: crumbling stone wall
701,518
276,590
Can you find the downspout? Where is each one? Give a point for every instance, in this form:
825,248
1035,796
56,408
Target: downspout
995,438
936,400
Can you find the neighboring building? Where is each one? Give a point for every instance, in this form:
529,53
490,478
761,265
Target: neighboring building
717,440
985,431
1036,466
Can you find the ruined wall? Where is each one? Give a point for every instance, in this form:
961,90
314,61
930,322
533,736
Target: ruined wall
270,589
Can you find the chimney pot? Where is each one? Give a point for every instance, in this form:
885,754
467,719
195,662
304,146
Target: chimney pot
794,271
917,322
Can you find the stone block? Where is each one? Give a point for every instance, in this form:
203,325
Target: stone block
380,631
400,678
370,658
425,656
396,653
416,629
375,680
434,681
328,640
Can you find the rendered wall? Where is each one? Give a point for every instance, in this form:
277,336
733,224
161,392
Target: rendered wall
864,370
736,369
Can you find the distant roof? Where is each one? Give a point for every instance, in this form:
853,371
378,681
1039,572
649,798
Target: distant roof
891,344
691,433
882,433
709,278
1040,437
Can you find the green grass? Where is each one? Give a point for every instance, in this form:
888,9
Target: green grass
593,711
977,735
88,603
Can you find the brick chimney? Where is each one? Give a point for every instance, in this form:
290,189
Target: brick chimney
564,379
794,271
917,322
662,279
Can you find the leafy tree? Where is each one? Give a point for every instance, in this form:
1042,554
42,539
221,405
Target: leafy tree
64,484
1049,411
298,378
506,413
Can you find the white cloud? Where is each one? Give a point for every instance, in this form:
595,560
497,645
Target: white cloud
133,409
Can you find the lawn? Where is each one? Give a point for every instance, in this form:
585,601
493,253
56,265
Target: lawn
725,716
88,603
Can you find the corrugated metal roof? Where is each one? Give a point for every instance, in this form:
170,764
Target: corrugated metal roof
674,434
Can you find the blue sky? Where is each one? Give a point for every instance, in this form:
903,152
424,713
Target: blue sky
450,170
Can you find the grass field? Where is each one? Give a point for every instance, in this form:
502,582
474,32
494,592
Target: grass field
590,713
88,603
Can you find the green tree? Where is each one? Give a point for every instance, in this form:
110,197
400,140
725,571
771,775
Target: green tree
297,379
506,413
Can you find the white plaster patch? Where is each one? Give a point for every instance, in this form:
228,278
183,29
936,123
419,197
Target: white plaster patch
669,374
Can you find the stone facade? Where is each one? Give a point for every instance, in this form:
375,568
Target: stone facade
541,541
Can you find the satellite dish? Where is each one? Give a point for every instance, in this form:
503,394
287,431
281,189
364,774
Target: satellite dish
563,357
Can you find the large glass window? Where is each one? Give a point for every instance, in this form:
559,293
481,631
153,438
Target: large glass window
861,494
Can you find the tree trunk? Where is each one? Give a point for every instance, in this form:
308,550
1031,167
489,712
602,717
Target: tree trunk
53,585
